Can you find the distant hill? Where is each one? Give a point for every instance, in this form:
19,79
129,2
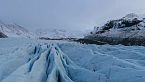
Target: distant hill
57,33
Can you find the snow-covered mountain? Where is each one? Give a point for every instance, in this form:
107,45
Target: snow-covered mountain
132,26
57,33
14,30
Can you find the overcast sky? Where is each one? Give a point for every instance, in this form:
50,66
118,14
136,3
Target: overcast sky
66,14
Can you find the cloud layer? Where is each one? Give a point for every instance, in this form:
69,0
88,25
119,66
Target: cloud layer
67,14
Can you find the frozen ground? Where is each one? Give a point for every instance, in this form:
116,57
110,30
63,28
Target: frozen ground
28,60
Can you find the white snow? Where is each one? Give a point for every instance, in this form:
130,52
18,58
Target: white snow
30,60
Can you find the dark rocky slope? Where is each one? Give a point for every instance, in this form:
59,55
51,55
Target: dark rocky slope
2,35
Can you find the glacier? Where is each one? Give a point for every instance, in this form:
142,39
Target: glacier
34,60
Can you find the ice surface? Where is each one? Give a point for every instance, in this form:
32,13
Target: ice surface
29,60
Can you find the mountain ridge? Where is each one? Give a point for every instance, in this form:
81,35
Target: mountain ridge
14,30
